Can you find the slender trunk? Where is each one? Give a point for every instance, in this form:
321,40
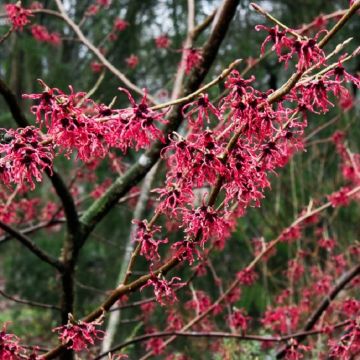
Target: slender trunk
115,316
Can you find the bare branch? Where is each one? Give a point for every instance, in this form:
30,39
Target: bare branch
28,302
98,54
24,240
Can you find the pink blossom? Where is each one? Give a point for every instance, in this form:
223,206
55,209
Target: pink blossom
162,42
105,3
120,24
9,346
340,198
351,307
282,319
193,58
239,320
145,236
174,321
200,110
247,277
24,157
163,289
40,33
349,343
132,61
327,243
78,335
18,16
134,126
96,67
92,10
156,345
291,233
205,222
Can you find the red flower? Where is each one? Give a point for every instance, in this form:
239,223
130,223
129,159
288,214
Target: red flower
162,42
174,321
339,198
78,335
173,196
291,233
327,243
9,346
193,58
24,157
201,109
238,320
105,3
277,37
282,319
92,10
40,33
295,270
134,126
206,222
351,307
132,61
246,277
156,345
163,289
187,250
120,24
145,236
348,345
96,67
18,15
294,351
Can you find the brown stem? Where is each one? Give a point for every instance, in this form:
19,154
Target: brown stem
28,243
217,334
28,302
315,316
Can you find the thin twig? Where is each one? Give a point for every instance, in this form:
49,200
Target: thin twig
99,55
28,302
27,242
217,334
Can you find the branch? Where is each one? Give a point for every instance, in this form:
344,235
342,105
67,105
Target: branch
272,244
354,8
216,334
98,210
101,207
180,74
30,303
189,97
34,228
98,54
27,242
57,182
315,316
13,105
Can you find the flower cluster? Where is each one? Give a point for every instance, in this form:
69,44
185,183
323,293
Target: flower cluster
163,289
9,346
41,33
145,236
193,58
132,61
162,42
75,122
24,156
18,16
286,46
349,343
78,335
